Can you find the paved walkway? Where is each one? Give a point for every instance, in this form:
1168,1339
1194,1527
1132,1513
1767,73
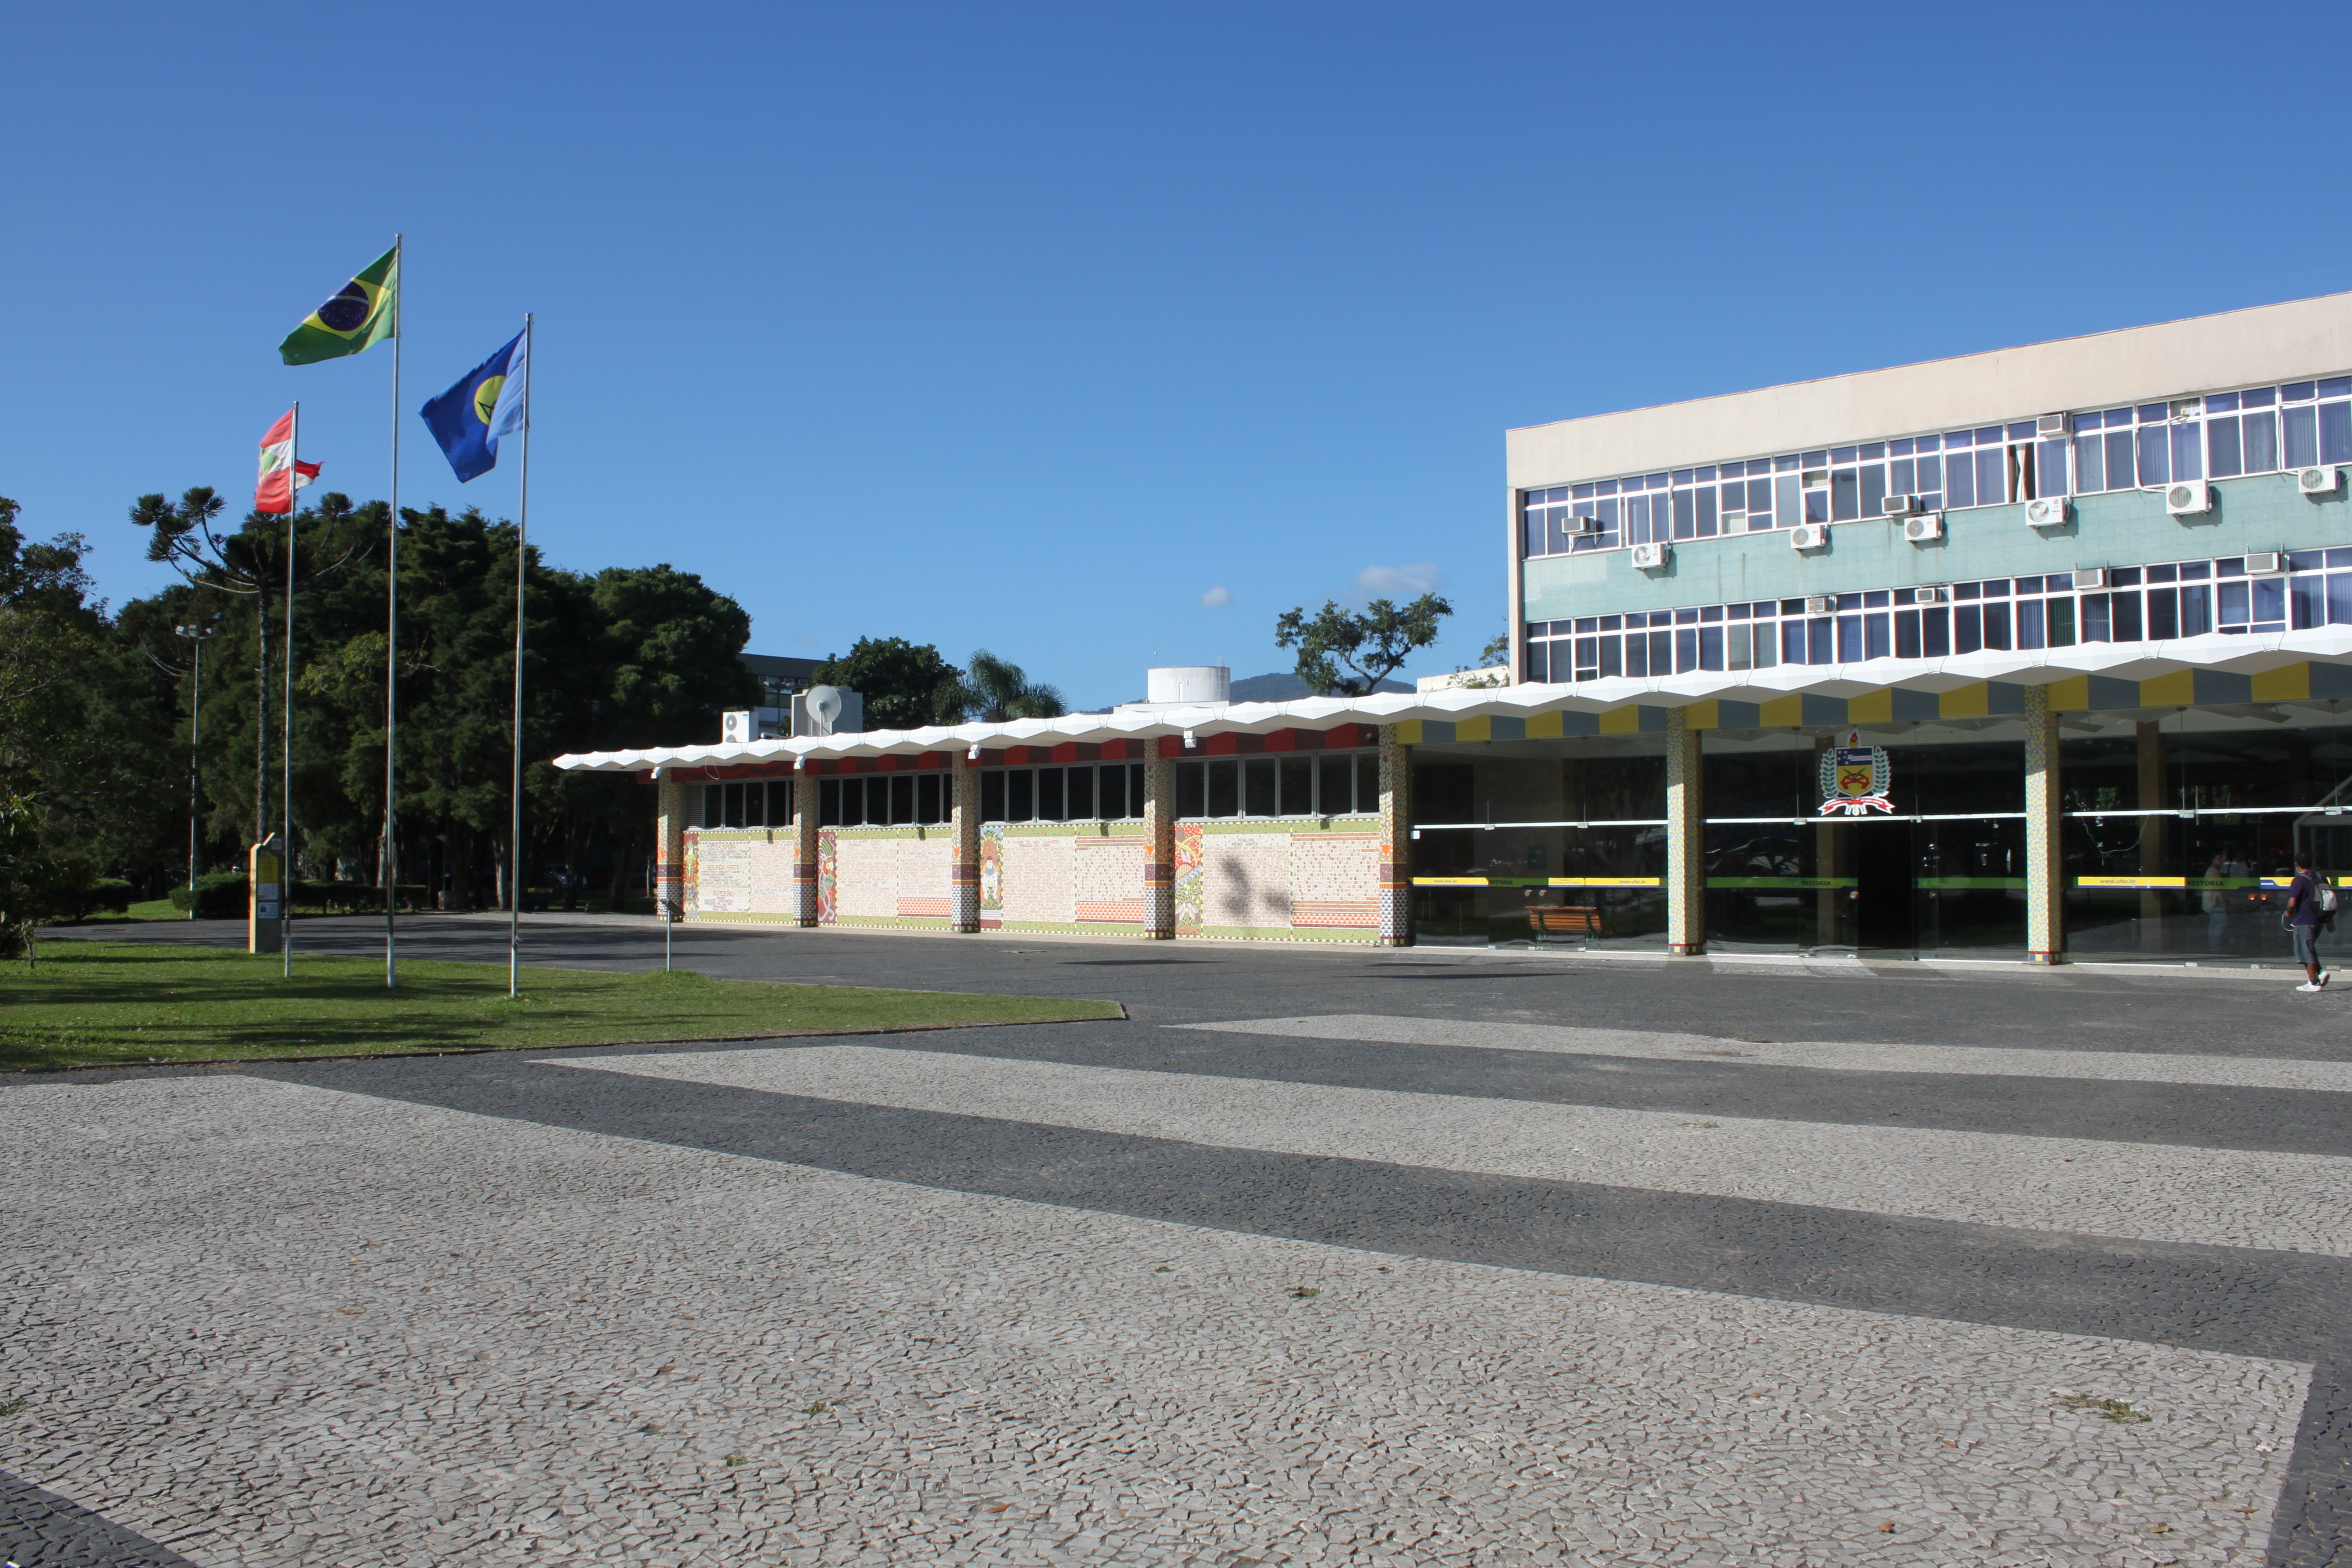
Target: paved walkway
1476,1262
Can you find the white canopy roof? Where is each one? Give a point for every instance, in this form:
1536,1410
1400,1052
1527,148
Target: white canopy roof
2126,661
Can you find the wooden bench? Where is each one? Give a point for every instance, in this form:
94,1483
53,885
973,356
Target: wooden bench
1564,920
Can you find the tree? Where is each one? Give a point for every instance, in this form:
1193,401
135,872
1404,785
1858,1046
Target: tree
1370,645
1496,652
71,758
998,690
38,887
94,709
250,568
906,685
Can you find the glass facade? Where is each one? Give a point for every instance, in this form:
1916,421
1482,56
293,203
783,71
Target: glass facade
1507,833
1946,873
2182,826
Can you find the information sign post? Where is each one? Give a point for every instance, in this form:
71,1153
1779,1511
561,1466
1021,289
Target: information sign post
265,908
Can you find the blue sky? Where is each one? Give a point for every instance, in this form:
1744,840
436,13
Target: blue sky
1027,327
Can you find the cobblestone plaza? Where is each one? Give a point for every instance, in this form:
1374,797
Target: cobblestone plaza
1319,1257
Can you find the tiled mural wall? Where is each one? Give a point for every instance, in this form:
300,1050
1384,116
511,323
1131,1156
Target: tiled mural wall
1046,878
739,874
1293,881
883,876
1287,880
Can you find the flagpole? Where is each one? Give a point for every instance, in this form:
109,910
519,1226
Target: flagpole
514,845
286,795
392,646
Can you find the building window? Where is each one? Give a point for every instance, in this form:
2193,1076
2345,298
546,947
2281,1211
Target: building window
2152,604
1302,784
757,804
2223,435
1086,792
882,800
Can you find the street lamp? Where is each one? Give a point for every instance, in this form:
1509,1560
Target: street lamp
197,636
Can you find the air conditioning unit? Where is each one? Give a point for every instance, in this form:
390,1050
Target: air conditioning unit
2051,426
2188,498
2323,480
1900,505
1925,528
1650,557
2047,512
1586,525
1809,536
2258,561
2090,577
1820,603
1921,595
735,729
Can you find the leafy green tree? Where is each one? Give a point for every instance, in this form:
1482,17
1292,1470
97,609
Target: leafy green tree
94,710
906,685
241,580
668,645
1368,645
630,657
38,885
998,689
75,769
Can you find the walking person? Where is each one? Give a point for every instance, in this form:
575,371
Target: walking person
2311,906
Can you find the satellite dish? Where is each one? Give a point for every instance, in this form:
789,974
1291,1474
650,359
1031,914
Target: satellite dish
824,706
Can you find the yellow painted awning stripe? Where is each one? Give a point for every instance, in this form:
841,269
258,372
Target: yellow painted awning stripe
1966,702
2290,683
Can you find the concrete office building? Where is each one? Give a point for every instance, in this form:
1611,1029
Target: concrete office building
2022,654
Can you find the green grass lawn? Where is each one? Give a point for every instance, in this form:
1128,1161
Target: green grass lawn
101,1004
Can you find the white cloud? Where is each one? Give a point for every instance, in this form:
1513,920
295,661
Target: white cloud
1414,578
1216,598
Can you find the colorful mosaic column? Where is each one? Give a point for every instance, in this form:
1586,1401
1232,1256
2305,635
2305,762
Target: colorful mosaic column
1159,858
2045,891
1686,840
669,846
1396,831
963,876
804,848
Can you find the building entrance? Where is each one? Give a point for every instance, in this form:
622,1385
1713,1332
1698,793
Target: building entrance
1883,894
1943,873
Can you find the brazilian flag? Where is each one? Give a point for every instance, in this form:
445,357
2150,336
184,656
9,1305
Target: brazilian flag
363,313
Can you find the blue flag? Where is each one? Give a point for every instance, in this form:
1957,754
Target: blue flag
489,401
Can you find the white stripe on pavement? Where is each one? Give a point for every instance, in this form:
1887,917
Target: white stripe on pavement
2150,1192
2240,1072
410,1335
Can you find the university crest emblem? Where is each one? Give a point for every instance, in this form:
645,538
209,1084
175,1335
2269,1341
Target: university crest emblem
1854,779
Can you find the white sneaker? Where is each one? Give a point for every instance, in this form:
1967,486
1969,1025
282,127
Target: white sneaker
2307,986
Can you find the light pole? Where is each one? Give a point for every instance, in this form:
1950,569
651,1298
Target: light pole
197,636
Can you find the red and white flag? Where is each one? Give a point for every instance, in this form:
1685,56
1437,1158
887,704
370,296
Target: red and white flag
273,492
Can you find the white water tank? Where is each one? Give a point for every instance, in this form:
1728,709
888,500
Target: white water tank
1188,683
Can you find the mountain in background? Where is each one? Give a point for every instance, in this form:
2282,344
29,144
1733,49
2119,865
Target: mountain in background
1286,687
